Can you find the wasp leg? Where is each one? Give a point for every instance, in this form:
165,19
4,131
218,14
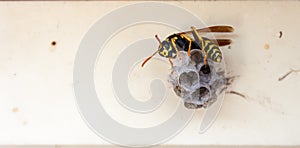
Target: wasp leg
198,39
205,59
170,60
190,43
177,51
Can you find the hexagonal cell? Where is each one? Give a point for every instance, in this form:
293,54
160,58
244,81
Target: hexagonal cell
196,56
205,73
180,91
200,94
197,84
188,79
205,69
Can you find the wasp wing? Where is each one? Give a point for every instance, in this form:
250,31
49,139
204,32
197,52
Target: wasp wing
221,29
215,29
221,42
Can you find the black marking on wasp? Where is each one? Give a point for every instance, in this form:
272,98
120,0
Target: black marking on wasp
170,47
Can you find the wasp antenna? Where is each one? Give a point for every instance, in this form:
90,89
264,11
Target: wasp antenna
146,61
149,58
156,36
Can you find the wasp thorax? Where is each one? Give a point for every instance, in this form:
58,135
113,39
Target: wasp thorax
197,84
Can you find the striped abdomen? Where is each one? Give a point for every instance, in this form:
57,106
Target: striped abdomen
212,50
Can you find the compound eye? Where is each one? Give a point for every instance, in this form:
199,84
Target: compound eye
161,49
166,45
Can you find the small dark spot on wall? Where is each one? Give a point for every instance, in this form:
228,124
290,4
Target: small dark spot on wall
15,110
280,34
53,43
229,47
267,46
52,47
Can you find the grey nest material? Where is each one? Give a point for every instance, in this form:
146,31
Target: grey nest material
197,84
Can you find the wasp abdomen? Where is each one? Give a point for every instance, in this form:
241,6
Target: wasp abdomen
212,50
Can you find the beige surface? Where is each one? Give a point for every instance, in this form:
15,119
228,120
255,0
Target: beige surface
37,104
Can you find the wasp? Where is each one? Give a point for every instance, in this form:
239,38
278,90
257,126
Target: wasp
170,47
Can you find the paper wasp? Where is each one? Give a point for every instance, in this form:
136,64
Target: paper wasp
170,47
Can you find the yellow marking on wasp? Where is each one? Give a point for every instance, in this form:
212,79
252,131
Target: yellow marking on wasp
214,52
206,42
218,59
170,48
164,52
210,48
216,55
177,51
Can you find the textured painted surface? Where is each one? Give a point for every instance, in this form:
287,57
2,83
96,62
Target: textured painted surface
36,99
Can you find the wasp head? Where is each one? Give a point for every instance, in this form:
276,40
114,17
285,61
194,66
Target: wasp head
166,50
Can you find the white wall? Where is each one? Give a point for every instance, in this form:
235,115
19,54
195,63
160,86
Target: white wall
37,104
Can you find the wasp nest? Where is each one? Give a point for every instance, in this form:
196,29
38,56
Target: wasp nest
197,84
